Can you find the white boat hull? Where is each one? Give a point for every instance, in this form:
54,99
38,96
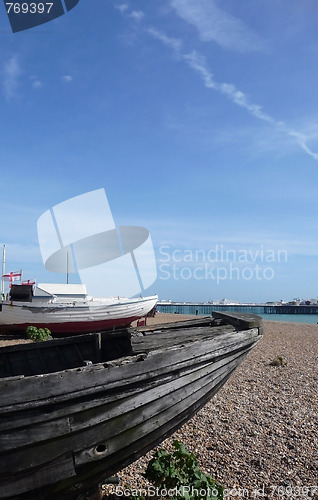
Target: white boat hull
90,315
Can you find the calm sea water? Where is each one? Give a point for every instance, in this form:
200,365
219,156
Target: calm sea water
205,310
295,318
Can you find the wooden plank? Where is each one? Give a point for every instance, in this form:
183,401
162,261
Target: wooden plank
17,437
42,452
240,320
58,387
78,339
108,430
29,415
113,403
16,484
168,391
107,414
95,416
175,325
69,353
97,471
168,338
184,333
166,409
247,320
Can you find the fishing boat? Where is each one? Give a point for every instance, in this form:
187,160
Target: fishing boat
75,411
67,309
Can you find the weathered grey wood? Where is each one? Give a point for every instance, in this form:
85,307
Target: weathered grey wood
77,421
149,420
42,452
107,414
167,337
28,416
51,388
240,320
94,472
39,454
34,433
51,473
134,373
136,388
49,356
177,325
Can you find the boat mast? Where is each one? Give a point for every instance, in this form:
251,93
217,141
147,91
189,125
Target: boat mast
3,270
67,267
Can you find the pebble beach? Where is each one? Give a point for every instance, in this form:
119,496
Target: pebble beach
258,437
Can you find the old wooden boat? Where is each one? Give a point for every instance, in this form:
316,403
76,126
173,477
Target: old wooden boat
67,309
74,411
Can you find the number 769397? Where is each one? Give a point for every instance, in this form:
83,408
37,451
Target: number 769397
28,8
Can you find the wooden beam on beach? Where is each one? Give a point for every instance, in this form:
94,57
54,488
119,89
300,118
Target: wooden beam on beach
240,320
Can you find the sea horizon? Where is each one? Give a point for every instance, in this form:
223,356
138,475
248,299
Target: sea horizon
203,310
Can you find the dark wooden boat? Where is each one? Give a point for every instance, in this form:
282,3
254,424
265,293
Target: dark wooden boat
75,411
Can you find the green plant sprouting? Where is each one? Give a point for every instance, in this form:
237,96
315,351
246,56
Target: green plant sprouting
179,471
38,334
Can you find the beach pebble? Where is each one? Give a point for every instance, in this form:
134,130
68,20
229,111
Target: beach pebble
259,435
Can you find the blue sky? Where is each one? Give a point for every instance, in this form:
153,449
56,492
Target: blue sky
200,120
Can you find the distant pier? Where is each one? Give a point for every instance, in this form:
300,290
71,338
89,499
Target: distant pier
192,308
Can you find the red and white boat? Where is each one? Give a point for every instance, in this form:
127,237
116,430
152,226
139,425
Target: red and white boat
67,309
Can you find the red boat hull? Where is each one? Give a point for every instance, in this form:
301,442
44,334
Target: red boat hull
74,327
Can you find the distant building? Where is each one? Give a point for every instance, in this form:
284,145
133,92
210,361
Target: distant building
309,302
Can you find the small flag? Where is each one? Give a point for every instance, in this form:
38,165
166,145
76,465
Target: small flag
28,282
13,276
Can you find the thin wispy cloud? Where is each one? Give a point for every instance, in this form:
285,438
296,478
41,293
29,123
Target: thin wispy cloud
301,138
173,43
11,73
137,15
198,63
122,7
66,78
214,24
35,82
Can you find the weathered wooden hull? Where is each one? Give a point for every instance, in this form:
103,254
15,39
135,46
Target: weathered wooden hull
90,316
60,432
